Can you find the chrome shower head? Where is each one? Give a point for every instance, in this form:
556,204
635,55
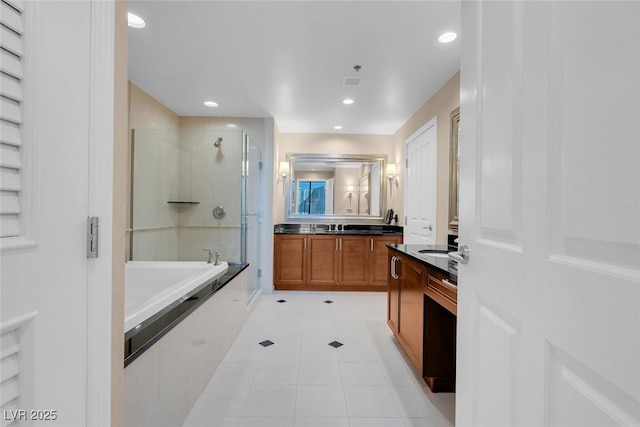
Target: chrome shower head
218,142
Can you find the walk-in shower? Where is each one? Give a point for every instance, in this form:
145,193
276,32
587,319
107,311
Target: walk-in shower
180,187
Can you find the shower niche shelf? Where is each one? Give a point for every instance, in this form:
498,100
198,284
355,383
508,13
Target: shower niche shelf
182,202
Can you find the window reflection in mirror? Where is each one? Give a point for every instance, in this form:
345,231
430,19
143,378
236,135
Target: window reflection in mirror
335,187
311,196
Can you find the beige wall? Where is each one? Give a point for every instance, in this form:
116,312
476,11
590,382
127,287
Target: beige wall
440,105
146,112
325,144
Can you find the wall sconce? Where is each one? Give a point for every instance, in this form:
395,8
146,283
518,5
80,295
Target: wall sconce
283,171
392,174
350,194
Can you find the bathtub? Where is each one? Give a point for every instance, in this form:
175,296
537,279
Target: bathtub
151,286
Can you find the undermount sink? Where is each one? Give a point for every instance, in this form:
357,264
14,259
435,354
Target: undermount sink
437,253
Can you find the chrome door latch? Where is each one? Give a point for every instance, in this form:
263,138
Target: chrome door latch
461,256
92,236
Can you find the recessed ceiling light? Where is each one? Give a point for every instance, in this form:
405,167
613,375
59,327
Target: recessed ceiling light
447,37
232,125
338,127
211,104
134,21
347,101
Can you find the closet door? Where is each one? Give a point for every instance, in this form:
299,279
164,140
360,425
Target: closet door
45,271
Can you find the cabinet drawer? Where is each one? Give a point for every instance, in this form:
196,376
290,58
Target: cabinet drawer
444,291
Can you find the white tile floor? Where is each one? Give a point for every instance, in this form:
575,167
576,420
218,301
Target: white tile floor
301,381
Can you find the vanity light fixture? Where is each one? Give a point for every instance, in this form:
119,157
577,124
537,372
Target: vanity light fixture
283,172
392,174
347,101
211,104
134,21
447,37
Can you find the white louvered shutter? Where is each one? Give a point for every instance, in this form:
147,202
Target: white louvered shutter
11,83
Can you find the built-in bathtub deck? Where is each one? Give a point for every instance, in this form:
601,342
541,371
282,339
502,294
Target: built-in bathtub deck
143,336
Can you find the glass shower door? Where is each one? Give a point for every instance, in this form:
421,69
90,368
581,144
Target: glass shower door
252,221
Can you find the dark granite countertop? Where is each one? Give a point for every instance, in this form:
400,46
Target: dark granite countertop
343,229
443,264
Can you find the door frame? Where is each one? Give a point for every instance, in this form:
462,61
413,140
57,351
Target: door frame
100,304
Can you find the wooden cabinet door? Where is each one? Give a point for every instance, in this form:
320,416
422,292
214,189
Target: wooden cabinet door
322,261
353,260
380,259
411,316
290,261
393,293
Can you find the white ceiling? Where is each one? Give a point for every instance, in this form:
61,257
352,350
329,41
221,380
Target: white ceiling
288,59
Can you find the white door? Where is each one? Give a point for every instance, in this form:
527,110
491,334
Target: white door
47,309
421,185
549,303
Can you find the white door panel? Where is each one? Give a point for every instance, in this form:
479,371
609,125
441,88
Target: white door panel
548,306
421,186
45,283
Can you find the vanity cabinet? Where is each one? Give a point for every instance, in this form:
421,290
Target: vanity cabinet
393,293
331,262
354,260
421,312
323,259
410,323
290,260
379,259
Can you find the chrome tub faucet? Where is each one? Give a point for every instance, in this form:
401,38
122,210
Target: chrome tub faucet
213,254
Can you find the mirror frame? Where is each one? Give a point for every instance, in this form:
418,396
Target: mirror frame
293,157
454,171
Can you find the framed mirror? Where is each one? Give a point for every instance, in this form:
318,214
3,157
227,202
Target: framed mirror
335,187
454,170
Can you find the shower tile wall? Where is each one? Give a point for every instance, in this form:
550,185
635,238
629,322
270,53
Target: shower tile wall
186,166
212,176
155,180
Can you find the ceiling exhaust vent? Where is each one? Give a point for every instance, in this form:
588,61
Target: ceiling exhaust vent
352,80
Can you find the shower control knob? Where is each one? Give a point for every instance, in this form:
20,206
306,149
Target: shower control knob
219,212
